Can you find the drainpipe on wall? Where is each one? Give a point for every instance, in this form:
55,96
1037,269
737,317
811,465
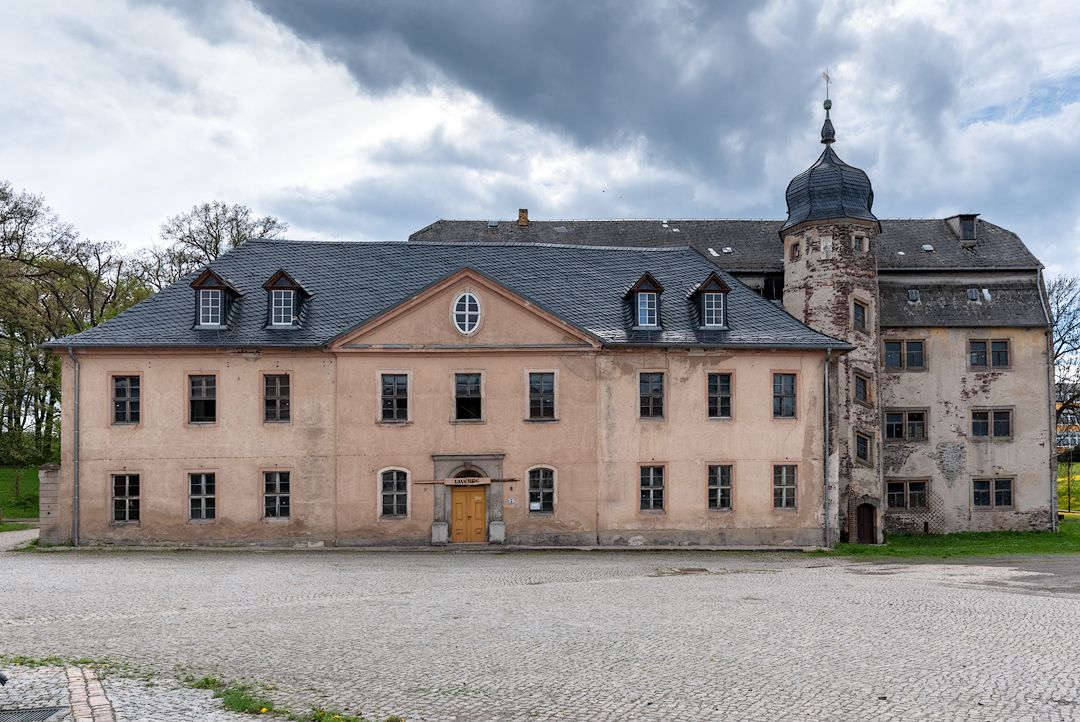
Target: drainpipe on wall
825,480
1052,397
75,456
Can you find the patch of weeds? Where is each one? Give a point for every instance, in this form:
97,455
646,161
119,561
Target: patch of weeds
100,667
204,683
30,546
21,661
244,698
241,698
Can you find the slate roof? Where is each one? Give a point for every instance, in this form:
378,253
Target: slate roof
351,282
755,245
830,188
1013,303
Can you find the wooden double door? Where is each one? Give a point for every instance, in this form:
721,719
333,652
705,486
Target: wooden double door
468,519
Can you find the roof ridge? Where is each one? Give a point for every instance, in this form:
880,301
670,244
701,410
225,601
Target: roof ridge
541,244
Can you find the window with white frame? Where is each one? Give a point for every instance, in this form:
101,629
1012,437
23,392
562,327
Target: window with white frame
466,313
648,305
202,496
713,307
277,494
541,490
394,489
210,306
282,307
784,486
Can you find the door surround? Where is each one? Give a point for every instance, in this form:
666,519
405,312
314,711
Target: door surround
487,467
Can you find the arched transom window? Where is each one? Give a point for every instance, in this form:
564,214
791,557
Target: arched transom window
466,313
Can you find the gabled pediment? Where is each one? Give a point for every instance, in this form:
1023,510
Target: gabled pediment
646,283
426,321
209,280
282,281
712,284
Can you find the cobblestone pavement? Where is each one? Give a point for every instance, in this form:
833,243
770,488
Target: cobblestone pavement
564,635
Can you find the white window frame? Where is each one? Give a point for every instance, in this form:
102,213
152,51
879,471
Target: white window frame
466,321
408,492
211,305
554,489
282,307
648,306
716,311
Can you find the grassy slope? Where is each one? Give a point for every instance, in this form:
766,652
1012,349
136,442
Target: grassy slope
26,507
1063,487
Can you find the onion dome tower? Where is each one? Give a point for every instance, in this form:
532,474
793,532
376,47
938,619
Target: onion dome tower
831,284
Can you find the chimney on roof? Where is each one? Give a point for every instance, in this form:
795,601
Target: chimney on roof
523,217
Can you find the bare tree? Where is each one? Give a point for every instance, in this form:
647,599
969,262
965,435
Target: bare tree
1064,296
209,229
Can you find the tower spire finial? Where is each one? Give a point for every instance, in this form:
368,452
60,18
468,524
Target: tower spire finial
828,133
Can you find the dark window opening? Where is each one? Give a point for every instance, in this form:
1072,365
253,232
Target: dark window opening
126,399
395,493
862,388
906,494
202,399
784,486
977,354
999,353
276,494
719,396
468,404
125,493
784,396
909,425
862,448
651,395
201,496
542,395
395,397
859,316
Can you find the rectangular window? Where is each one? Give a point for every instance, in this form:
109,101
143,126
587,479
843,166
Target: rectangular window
276,401
862,448
862,388
784,486
909,425
719,486
542,395
210,307
992,493
651,395
977,354
395,397
395,493
906,494
713,307
719,392
859,316
201,496
276,494
909,354
986,423
125,399
783,400
468,404
202,399
125,494
281,307
796,251
999,353
652,488
541,491
647,306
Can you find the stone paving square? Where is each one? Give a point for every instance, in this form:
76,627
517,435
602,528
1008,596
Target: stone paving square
567,635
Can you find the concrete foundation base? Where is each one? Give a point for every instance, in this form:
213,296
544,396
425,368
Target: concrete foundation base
497,532
440,532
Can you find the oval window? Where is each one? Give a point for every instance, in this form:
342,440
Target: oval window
466,313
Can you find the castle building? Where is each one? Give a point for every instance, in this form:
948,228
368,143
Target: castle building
793,383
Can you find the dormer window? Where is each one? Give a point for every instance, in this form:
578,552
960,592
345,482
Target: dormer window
648,307
645,296
711,297
210,307
213,298
967,228
284,296
281,307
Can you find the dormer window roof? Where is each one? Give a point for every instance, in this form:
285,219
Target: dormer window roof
285,295
214,297
645,295
711,298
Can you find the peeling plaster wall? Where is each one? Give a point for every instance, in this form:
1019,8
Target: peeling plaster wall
822,283
949,457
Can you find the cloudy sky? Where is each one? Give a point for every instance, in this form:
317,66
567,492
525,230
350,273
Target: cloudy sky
369,120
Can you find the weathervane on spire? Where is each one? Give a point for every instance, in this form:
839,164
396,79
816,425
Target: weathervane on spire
828,134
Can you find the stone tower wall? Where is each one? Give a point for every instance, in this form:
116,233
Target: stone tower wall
834,267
